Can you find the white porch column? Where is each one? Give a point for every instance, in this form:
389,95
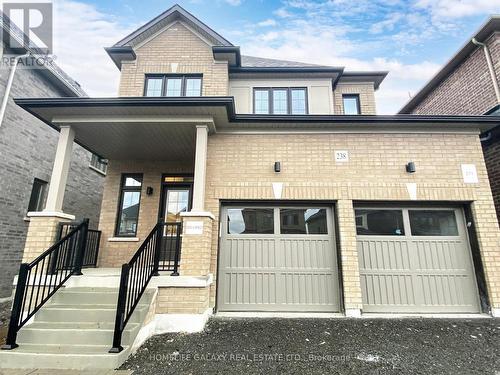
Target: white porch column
200,168
60,170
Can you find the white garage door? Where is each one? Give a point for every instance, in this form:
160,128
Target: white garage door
415,260
277,259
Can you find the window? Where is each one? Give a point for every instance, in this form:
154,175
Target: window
303,221
351,104
375,222
280,101
433,223
128,210
261,102
250,221
173,85
154,86
37,197
100,164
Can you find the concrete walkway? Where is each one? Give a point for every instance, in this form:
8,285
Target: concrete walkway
326,346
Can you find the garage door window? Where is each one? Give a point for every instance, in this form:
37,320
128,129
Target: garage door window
303,221
250,221
433,223
379,222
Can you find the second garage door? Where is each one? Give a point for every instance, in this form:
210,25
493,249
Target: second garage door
277,259
415,260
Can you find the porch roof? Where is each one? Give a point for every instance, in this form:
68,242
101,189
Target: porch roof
164,128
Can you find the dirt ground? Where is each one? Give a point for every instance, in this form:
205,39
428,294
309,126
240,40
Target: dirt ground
326,346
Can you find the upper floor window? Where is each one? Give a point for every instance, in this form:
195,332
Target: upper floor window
280,101
351,104
173,85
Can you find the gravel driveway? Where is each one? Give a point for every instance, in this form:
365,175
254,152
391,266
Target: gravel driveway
321,346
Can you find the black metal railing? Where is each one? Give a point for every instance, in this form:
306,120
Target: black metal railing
170,248
39,280
93,241
137,273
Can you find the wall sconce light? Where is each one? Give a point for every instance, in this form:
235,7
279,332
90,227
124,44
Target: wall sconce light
410,167
149,190
277,167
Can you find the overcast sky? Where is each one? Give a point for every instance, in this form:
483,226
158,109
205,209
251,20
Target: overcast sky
411,39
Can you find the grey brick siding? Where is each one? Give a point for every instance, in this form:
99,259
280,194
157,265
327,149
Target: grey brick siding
27,150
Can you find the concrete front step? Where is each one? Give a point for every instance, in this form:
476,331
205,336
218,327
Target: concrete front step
74,330
33,334
80,297
86,313
79,357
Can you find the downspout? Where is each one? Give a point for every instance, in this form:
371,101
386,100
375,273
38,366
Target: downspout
491,68
9,86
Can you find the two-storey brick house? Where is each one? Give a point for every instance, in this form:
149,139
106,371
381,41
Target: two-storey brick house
267,186
468,84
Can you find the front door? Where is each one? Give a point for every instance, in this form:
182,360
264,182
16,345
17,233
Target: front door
176,199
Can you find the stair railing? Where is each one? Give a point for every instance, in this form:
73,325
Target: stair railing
137,273
39,280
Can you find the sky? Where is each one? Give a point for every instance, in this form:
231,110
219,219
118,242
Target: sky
411,39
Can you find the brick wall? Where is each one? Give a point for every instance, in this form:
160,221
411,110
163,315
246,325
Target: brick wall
182,300
366,93
241,167
468,90
114,254
175,50
27,150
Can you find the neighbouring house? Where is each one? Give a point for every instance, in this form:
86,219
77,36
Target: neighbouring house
244,184
468,84
27,151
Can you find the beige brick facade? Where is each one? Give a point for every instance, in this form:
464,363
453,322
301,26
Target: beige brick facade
241,167
175,50
42,233
196,249
366,93
182,300
114,254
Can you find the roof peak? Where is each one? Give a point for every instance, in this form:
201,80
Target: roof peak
172,14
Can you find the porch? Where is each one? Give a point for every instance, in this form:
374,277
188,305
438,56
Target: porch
126,280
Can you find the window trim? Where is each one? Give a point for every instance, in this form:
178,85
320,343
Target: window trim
289,99
123,189
358,103
164,78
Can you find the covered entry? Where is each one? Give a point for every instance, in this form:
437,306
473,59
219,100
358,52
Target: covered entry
415,260
277,259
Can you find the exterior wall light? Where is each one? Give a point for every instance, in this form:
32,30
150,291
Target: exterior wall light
410,167
277,167
149,190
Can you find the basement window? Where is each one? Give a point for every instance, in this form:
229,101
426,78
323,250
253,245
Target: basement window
173,85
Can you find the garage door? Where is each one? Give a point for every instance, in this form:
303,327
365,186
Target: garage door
277,259
415,260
